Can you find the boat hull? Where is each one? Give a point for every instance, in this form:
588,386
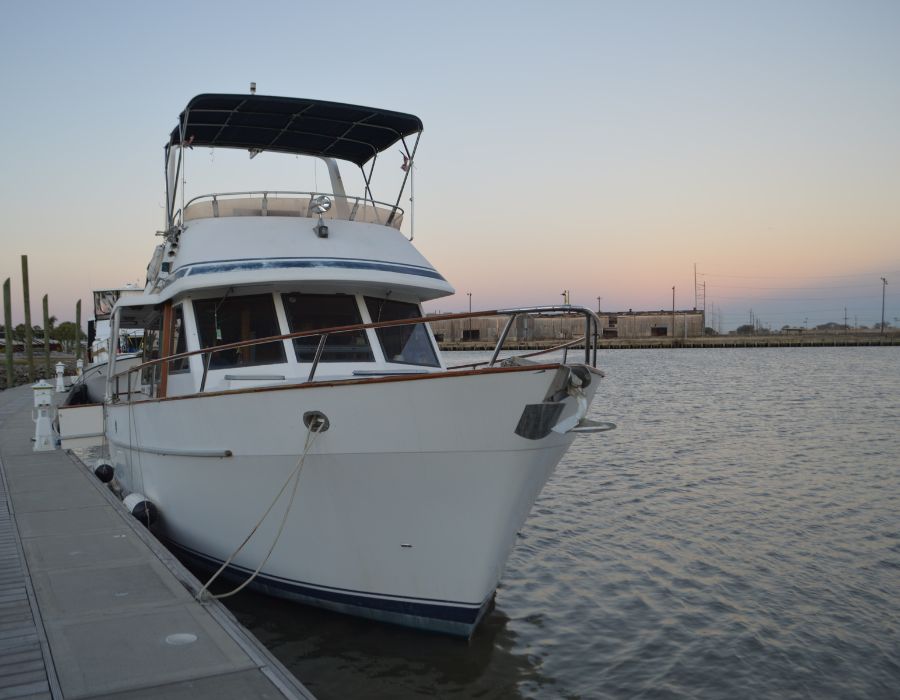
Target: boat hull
406,508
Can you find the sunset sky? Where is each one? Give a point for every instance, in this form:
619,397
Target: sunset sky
599,147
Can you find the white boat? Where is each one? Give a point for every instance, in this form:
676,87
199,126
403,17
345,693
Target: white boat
90,387
276,319
128,341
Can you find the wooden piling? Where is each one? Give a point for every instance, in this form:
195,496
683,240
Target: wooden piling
47,337
78,330
7,319
29,348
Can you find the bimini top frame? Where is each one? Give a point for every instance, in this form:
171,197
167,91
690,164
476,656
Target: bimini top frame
294,125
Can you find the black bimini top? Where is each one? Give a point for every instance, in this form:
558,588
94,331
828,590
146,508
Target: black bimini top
292,125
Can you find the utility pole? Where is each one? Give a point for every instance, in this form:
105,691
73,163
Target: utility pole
704,308
599,299
673,312
883,287
46,337
29,349
7,319
77,330
470,311
695,285
846,327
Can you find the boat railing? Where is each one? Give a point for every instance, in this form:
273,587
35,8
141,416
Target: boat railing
291,203
589,341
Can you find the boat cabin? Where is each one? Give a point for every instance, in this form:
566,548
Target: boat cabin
238,267
233,317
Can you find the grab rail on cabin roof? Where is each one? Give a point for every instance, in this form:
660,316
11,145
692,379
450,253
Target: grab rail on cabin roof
591,334
393,213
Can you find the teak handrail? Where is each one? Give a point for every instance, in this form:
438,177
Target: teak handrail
591,320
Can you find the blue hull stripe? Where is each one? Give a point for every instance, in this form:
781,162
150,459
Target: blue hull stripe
301,263
462,613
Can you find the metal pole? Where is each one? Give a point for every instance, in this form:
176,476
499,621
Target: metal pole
29,350
470,318
7,319
47,336
695,285
78,330
883,287
673,313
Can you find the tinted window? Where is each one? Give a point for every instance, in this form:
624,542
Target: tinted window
409,345
233,319
309,312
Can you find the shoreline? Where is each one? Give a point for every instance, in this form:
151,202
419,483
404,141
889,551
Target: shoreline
717,341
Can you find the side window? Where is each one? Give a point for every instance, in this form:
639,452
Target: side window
179,342
308,312
235,319
408,345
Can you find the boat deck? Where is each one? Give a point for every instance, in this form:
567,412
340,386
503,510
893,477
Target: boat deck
91,604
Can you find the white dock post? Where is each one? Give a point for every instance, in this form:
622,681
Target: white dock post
44,439
60,381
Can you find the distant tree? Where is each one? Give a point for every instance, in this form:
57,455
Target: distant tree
65,333
710,331
746,329
19,332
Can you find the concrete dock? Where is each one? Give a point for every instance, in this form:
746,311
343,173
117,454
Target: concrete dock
92,605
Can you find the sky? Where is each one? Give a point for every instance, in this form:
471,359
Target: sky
605,148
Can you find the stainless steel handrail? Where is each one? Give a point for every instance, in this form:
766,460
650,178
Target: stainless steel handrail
590,339
264,195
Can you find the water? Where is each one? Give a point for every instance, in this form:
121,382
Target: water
737,536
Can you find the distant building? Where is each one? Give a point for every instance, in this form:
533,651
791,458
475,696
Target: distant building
651,324
625,324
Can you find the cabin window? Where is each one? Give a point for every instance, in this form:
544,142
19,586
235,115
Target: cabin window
408,345
150,350
308,312
237,319
179,342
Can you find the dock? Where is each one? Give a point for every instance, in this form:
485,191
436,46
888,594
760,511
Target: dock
91,604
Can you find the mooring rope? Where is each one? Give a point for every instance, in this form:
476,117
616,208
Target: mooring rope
312,432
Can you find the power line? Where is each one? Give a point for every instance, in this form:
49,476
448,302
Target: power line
800,277
830,286
762,299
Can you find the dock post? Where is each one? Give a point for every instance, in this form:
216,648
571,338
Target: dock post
47,337
29,348
78,330
7,319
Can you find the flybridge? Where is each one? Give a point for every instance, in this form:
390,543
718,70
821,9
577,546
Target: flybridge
316,128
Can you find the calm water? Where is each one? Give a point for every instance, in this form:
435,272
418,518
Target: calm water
737,536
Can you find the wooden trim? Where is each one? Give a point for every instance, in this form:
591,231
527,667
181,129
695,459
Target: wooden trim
165,348
354,382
